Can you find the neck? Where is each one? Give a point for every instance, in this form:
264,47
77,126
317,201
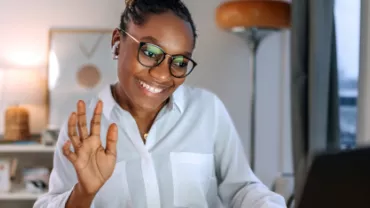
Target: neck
138,113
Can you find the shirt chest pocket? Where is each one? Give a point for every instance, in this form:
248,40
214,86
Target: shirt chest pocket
192,174
115,193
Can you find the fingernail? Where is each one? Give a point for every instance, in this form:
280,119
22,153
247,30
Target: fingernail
80,102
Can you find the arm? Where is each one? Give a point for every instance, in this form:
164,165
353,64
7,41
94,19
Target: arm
63,185
238,186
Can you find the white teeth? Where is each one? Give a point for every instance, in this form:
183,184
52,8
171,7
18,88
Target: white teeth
150,88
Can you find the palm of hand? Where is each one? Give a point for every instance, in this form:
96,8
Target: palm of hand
93,164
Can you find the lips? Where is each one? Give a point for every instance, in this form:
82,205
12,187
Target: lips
151,88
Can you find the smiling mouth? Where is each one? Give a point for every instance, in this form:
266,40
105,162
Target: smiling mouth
150,88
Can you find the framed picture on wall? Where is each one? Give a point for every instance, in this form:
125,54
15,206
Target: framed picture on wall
80,64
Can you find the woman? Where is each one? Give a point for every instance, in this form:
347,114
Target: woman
167,145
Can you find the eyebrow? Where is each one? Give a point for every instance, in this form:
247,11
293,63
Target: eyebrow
150,38
155,41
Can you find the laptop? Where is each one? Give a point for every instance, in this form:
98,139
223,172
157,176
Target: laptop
338,180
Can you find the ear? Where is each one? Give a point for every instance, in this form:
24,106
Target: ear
115,51
116,36
115,47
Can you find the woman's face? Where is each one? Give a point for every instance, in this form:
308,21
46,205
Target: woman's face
148,87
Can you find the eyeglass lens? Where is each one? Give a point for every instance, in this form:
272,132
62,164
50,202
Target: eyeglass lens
151,55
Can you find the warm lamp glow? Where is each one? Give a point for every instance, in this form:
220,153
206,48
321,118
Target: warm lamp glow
22,86
25,58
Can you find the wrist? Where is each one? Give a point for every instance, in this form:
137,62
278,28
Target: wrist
83,192
80,198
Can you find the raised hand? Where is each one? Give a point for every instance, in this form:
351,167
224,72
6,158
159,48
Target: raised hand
93,164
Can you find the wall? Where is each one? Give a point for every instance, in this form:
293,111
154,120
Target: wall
222,57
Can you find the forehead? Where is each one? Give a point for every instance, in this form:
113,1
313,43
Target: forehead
170,32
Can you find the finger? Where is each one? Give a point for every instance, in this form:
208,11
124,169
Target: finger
112,136
81,118
72,132
71,156
95,121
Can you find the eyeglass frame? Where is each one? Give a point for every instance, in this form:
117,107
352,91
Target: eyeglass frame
141,44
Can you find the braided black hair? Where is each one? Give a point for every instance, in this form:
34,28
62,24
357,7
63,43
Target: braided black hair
138,10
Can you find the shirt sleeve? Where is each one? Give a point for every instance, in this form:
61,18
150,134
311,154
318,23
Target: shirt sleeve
238,186
62,178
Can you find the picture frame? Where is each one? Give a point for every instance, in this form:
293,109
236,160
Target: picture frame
80,64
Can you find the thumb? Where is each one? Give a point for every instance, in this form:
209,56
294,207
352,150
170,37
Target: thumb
112,135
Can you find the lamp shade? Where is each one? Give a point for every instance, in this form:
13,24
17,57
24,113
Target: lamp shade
272,14
17,125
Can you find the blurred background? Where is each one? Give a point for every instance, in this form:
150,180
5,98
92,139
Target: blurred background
40,82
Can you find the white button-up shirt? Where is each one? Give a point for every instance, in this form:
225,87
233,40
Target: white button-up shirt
192,158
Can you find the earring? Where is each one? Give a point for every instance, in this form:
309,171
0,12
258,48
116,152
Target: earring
114,50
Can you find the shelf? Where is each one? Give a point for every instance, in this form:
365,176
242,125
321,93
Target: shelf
26,148
22,195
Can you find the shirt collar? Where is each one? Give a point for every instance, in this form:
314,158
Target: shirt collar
176,100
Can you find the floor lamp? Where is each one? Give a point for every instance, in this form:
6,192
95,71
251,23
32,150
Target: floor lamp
253,20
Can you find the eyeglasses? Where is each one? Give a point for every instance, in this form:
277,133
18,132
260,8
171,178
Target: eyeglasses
150,55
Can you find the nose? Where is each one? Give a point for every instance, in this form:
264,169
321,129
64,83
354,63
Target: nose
162,71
